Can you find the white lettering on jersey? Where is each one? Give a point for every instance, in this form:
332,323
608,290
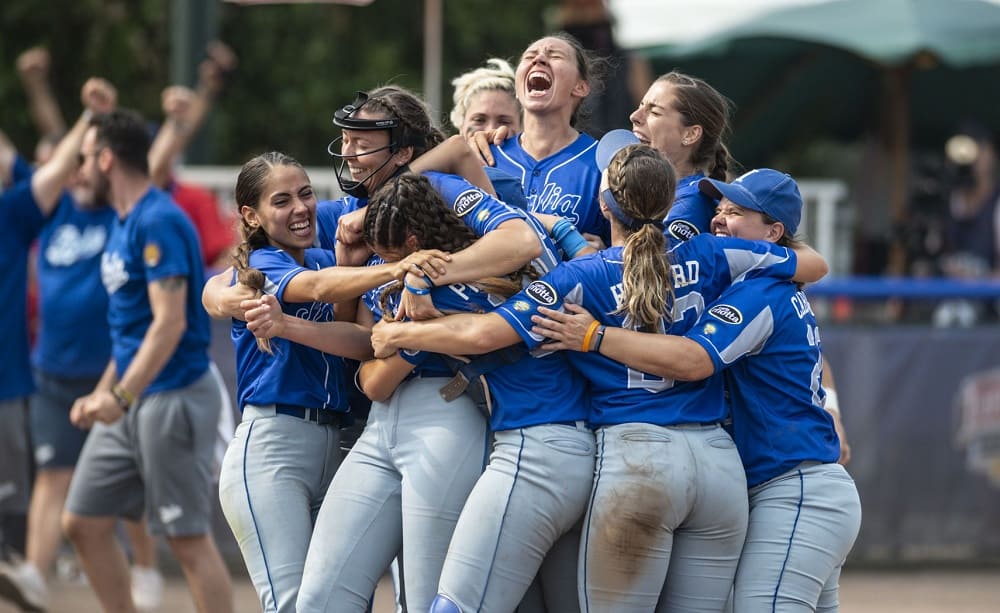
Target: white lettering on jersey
617,290
801,304
554,202
685,274
113,273
69,246
463,291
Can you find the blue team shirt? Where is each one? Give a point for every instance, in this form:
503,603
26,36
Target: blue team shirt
328,213
21,225
692,211
74,339
765,338
702,268
565,184
293,374
156,240
537,389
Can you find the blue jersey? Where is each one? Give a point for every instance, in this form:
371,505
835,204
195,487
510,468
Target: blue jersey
764,335
20,170
565,184
155,241
701,268
536,389
692,211
292,374
482,213
73,337
328,213
21,225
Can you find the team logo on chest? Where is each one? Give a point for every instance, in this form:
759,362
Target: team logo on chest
542,293
727,313
467,201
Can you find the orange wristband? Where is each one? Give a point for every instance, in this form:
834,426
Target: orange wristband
589,335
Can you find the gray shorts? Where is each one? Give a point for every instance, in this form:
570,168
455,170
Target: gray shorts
55,441
158,458
14,475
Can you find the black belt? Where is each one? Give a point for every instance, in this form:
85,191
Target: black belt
323,417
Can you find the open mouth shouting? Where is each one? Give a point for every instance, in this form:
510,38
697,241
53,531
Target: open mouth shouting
538,83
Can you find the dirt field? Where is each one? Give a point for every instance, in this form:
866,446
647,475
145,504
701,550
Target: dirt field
950,591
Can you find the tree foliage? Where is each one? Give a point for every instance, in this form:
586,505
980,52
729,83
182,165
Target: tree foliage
298,63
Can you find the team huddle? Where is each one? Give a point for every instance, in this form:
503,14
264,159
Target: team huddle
587,375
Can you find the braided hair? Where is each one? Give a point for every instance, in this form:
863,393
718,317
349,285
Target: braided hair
409,206
249,191
642,182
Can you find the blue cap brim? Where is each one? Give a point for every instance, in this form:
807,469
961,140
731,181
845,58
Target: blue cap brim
611,143
738,194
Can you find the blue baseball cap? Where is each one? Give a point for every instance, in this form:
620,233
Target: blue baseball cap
611,143
765,190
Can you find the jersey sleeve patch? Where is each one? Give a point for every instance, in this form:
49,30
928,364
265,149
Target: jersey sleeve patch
467,201
542,293
682,230
727,313
151,255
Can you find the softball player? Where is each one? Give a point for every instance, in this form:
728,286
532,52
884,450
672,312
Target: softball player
538,478
287,447
804,508
404,482
676,526
485,99
555,162
685,118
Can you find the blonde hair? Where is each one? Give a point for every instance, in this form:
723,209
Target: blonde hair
496,75
642,182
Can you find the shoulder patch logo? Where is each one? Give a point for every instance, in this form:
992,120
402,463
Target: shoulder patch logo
682,230
709,328
151,254
466,201
542,293
522,306
727,313
482,216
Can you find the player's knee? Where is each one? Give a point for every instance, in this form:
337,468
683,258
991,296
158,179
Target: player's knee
443,604
78,528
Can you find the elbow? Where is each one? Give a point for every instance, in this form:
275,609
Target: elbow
375,392
528,246
696,367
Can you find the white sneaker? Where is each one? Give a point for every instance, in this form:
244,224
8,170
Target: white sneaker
147,588
22,584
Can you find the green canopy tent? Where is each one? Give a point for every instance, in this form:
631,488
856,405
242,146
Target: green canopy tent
905,70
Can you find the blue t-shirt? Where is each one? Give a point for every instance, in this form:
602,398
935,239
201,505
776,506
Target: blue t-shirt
763,335
73,337
692,211
156,240
292,374
22,222
702,268
565,184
